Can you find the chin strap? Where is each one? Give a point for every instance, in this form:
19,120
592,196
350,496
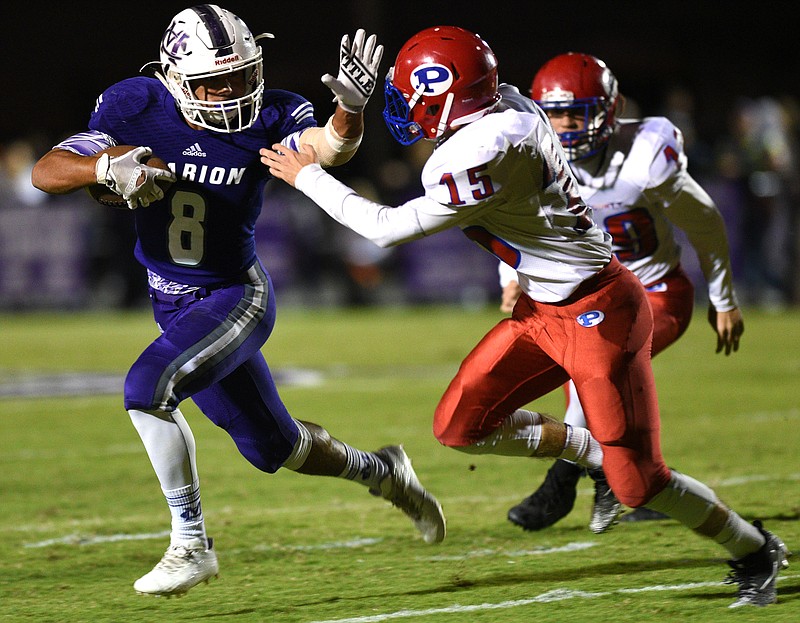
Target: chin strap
448,105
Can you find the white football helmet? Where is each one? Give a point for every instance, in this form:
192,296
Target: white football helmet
207,41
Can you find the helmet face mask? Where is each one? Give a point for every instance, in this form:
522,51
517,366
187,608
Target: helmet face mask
206,42
397,115
596,129
583,87
443,77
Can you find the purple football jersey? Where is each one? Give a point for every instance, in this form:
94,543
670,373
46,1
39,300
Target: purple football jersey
202,232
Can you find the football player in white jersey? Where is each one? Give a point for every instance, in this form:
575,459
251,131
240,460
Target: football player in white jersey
503,178
633,174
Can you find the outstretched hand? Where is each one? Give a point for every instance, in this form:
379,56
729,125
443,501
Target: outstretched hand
359,60
285,163
729,327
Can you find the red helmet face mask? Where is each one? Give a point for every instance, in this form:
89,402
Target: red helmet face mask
443,77
582,85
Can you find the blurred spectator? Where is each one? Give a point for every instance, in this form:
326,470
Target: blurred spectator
680,107
53,251
16,162
761,157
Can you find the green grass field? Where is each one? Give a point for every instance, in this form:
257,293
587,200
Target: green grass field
83,517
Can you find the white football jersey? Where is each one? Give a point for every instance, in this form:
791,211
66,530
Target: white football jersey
505,181
642,189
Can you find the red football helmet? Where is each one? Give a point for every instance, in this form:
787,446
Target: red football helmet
582,83
443,77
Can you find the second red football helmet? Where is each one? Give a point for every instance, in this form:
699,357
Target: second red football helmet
584,84
443,76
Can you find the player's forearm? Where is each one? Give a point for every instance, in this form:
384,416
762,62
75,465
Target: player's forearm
60,172
347,124
383,225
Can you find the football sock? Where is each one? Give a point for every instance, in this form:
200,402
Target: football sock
739,537
581,448
171,447
691,502
187,513
364,467
518,435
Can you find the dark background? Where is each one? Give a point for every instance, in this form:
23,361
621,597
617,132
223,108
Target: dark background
62,55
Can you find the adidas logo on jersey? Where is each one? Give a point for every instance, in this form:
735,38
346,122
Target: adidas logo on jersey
194,150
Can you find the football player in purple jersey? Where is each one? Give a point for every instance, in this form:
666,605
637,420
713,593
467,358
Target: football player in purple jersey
206,113
633,174
501,175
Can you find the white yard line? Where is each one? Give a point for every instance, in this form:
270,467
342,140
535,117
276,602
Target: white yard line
76,539
559,594
539,551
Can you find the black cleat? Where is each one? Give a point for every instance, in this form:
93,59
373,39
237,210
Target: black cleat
552,501
756,573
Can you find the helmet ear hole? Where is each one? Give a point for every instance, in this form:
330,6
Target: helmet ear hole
433,110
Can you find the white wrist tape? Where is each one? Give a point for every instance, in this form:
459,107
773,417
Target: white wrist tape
338,143
101,169
332,148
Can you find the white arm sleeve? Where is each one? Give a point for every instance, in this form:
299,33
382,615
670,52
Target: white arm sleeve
695,212
384,225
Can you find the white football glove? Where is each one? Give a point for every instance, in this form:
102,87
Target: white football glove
358,71
127,176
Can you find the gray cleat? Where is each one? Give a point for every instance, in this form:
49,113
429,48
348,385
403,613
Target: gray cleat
403,489
606,507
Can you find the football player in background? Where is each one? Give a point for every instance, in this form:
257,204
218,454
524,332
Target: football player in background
504,179
633,174
207,113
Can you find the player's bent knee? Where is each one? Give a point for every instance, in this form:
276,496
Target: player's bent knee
633,480
266,458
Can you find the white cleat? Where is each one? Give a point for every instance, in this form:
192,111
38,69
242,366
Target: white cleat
404,490
183,566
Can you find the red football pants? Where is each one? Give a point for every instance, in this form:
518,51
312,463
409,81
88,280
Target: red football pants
601,338
672,302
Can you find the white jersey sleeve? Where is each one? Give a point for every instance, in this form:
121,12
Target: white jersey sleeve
693,210
384,225
502,179
690,208
641,191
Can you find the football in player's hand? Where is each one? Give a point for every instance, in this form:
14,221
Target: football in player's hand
103,194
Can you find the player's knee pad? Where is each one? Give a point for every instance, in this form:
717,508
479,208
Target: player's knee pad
685,499
635,476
